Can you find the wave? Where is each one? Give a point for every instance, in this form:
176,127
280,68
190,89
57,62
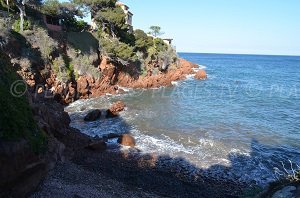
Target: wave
199,68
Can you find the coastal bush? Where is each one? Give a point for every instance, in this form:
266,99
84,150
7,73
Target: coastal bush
115,49
84,63
27,25
36,43
45,43
167,57
16,119
61,70
142,40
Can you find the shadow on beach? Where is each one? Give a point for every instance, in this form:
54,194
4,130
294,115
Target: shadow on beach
166,176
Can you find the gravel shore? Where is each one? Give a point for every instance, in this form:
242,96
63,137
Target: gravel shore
127,173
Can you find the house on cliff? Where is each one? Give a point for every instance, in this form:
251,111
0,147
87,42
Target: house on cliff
128,14
53,23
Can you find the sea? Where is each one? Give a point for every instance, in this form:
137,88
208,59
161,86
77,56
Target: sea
242,123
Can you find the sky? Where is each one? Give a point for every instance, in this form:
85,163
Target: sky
223,26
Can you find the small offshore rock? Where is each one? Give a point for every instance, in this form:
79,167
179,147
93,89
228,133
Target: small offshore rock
115,109
93,115
127,140
201,75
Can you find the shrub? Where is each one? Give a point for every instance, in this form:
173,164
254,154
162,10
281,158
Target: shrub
60,69
46,44
41,45
160,45
116,49
74,25
142,40
27,25
83,63
167,57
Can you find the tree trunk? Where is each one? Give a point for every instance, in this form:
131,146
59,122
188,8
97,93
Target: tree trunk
21,20
7,2
21,7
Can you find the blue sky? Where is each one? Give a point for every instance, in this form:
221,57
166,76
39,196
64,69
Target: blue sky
224,26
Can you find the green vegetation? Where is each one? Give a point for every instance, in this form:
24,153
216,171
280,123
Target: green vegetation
155,31
115,49
26,25
16,119
80,55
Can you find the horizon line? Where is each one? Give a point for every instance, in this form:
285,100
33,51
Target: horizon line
220,53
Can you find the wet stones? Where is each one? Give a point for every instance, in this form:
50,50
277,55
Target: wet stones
93,115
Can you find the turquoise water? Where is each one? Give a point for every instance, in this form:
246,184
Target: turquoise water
241,123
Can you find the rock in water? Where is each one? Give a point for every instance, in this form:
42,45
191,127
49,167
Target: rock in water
201,75
127,140
99,145
93,115
115,109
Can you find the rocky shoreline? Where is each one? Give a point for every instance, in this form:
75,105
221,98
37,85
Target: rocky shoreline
114,77
130,172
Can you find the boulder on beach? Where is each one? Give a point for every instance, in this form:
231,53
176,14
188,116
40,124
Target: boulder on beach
98,145
127,140
93,115
201,75
115,109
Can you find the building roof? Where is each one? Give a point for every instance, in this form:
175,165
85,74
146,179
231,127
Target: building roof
119,3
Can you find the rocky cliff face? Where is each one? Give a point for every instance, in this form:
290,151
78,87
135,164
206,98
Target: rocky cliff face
115,76
34,129
33,134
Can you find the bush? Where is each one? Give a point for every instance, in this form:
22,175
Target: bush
167,58
38,43
142,40
74,25
26,26
61,70
46,44
83,64
115,49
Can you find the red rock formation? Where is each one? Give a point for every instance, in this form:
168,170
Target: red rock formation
113,76
127,140
115,109
201,75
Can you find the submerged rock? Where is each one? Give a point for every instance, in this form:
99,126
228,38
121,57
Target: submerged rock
127,140
93,115
201,75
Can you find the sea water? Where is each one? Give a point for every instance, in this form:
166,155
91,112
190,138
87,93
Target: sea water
242,123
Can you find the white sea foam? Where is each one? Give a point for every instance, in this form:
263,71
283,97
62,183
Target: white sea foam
126,89
199,68
174,83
